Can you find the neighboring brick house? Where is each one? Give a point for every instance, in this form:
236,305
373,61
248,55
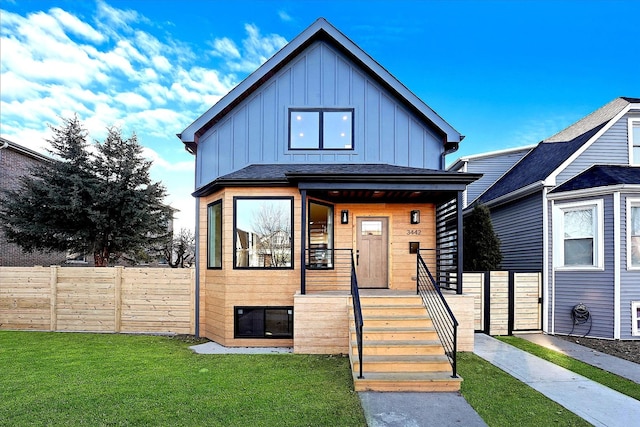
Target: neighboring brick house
17,161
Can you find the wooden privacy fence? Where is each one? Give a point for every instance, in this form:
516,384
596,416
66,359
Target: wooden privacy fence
505,301
112,299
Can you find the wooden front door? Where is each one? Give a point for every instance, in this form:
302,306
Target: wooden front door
372,252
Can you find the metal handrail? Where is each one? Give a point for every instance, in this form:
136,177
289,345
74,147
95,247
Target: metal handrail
442,317
357,312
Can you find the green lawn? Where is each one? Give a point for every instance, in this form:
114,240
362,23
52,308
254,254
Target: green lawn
127,380
596,374
502,400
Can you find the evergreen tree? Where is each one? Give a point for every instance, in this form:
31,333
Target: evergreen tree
102,203
481,248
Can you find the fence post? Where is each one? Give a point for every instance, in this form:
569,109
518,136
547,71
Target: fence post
118,299
195,316
53,285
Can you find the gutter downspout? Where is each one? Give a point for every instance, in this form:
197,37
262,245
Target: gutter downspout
197,292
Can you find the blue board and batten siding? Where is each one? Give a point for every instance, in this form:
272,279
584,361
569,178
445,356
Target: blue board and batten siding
519,228
257,130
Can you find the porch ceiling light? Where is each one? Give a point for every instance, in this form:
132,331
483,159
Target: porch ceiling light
415,217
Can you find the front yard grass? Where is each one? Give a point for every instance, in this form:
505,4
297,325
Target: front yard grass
502,400
133,380
613,381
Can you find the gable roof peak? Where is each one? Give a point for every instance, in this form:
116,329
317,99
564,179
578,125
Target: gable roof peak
596,118
320,29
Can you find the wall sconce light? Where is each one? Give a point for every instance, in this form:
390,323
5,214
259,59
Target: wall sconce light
344,217
415,217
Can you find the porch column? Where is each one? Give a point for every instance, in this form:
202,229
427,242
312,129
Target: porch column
460,242
303,241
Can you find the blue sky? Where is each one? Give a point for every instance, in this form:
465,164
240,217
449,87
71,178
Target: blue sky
503,73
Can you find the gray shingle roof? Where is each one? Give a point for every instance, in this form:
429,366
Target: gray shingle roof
551,153
601,176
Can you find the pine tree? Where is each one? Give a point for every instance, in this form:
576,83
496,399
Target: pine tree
102,203
481,248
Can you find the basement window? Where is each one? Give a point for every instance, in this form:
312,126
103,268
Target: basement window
635,317
263,322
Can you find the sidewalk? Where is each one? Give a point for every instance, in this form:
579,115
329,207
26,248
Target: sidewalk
589,400
612,364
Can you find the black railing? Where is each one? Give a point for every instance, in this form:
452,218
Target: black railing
442,317
444,264
357,312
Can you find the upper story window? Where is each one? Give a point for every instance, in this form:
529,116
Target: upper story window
634,141
579,235
321,129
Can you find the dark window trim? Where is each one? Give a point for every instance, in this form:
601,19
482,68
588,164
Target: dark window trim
219,201
264,318
235,234
333,207
321,130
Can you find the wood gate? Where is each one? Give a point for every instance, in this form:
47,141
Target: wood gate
505,301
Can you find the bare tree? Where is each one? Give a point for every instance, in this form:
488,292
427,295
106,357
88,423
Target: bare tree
273,226
180,252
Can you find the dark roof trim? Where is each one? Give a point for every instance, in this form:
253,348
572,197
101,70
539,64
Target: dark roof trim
325,177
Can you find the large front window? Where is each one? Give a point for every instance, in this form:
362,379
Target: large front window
263,232
321,129
579,235
633,222
320,235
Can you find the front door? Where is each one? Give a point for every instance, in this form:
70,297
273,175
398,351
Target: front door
372,252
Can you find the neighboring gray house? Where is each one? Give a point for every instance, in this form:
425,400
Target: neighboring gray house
570,208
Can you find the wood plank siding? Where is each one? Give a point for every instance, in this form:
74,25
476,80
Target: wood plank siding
256,131
223,289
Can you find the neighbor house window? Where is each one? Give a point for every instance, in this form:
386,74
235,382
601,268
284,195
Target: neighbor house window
263,322
320,235
263,232
633,231
634,141
321,129
214,240
578,235
635,317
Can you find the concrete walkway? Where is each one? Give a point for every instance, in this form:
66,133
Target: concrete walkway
612,364
591,401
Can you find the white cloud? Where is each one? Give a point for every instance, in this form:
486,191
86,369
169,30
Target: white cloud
284,16
111,70
77,26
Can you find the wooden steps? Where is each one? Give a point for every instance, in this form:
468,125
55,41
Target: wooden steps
401,349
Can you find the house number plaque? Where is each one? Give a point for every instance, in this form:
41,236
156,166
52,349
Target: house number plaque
414,232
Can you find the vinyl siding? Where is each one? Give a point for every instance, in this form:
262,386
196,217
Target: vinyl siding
519,227
612,148
629,279
492,169
594,288
257,130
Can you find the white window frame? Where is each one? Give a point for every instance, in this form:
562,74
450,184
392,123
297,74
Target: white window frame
635,318
631,203
633,121
558,234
